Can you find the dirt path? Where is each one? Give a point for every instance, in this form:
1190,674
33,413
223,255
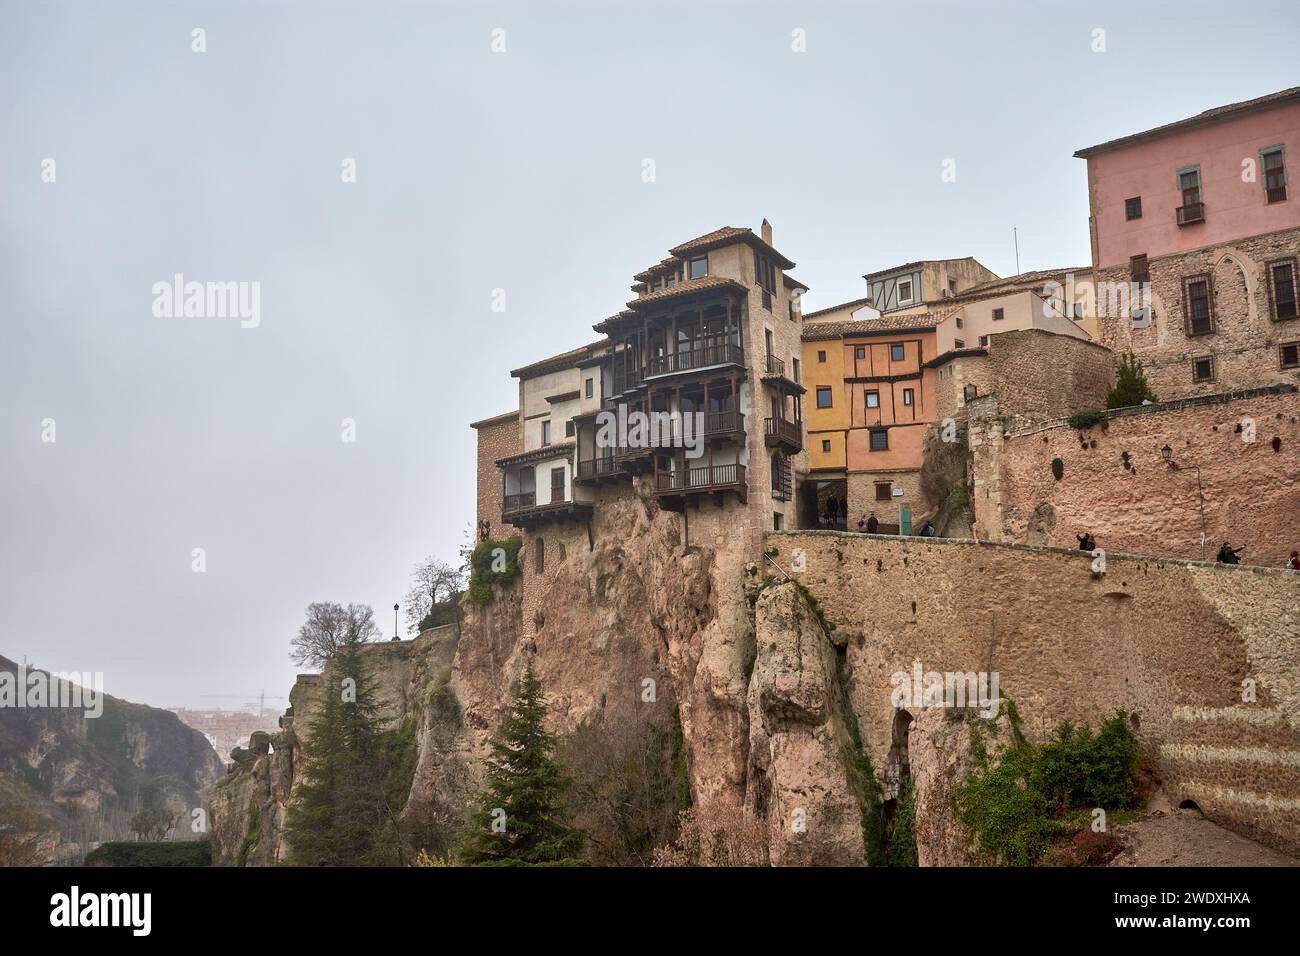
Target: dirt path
1171,837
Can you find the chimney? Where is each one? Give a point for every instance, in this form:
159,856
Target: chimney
766,231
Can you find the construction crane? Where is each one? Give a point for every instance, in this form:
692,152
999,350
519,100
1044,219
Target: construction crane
261,698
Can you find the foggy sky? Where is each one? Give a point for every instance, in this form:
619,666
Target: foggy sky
475,171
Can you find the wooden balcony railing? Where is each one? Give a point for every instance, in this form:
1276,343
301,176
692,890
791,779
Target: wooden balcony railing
778,430
705,478
601,467
700,354
516,502
625,380
1194,212
723,423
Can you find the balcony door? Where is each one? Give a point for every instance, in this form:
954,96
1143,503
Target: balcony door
557,484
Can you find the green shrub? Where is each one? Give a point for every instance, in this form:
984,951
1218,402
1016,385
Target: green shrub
482,576
1131,386
1085,420
164,853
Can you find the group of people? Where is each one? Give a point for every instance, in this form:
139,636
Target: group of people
1227,554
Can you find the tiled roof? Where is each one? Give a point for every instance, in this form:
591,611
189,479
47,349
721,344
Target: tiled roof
791,282
1213,115
913,265
556,362
726,235
496,419
683,288
951,354
886,324
1024,280
855,304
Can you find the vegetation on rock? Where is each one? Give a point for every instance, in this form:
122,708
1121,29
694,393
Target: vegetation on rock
491,563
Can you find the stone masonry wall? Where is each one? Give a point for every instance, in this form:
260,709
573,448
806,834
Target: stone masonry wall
1245,342
1173,643
1251,493
497,438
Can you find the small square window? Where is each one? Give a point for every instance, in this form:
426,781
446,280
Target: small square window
998,314
823,397
904,291
970,391
1133,208
896,353
879,440
826,446
1203,370
873,399
859,353
699,267
984,341
959,343
821,357
884,490
907,396
568,428
1290,355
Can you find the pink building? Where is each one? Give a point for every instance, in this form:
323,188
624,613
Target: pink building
1201,214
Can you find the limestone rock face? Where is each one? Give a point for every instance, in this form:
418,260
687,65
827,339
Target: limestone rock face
940,756
800,747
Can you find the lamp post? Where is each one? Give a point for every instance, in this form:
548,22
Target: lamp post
395,637
1167,454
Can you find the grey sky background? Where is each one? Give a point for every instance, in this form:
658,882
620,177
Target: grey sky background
476,171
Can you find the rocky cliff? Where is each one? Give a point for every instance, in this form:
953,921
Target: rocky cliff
85,776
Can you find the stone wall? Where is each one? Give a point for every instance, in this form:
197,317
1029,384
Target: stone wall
497,438
1171,642
1245,342
1034,375
1140,505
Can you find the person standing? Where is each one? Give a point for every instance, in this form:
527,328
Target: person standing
1294,563
872,523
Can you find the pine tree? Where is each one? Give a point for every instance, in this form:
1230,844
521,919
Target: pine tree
344,811
1131,386
521,816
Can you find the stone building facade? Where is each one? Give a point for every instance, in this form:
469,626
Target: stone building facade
1200,217
498,437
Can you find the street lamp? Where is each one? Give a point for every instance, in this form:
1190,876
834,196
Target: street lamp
395,637
1167,455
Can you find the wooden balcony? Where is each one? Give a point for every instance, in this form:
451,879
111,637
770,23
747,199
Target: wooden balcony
1194,212
774,374
597,470
780,433
706,353
523,511
671,488
724,425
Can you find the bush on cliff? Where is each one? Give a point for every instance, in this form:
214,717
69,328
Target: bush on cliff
522,817
1016,806
1131,387
170,853
491,563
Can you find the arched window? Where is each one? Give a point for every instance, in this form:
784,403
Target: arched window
539,555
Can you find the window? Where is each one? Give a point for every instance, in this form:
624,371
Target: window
823,397
776,520
1203,370
952,286
826,446
557,484
879,439
998,315
873,399
1274,174
699,267
656,285
1282,289
884,490
1138,268
904,291
969,392
1189,184
568,428
1200,312
984,341
764,273
959,343
798,372
546,432
896,353
1133,208
670,282
959,321
821,357
539,555
859,353
1290,355
590,387
907,396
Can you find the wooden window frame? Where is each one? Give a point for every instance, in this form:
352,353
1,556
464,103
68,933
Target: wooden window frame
690,266
888,486
1269,266
875,392
821,357
898,291
1188,282
909,396
830,396
999,314
871,439
1281,355
901,348
1129,214
1277,150
1197,361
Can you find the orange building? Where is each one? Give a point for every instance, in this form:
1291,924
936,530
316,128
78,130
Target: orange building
870,399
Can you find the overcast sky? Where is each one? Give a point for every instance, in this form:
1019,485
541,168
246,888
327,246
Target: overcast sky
519,170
